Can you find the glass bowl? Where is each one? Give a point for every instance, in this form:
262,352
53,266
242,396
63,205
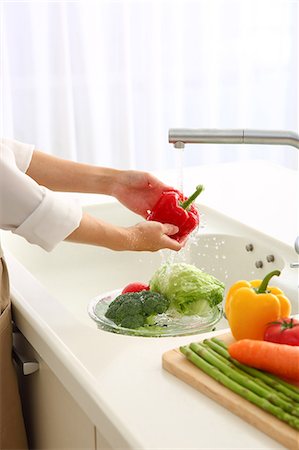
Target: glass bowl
167,324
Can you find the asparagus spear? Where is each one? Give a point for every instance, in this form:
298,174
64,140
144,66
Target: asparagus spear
273,381
243,379
238,389
212,345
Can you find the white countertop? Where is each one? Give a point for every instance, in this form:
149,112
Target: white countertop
118,380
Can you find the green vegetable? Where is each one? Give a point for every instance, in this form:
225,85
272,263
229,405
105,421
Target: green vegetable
189,290
244,379
257,377
231,380
136,309
276,383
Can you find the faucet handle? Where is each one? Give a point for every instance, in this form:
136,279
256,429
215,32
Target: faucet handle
295,265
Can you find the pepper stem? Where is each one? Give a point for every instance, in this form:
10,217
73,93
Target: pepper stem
187,203
285,325
264,284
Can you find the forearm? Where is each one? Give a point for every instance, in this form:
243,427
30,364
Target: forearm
62,175
93,231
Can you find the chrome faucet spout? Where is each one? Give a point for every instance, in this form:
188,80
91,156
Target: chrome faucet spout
181,136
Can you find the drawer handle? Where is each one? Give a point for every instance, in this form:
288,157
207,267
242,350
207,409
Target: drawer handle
27,365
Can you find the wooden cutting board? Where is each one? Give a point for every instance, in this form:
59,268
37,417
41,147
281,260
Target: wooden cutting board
177,364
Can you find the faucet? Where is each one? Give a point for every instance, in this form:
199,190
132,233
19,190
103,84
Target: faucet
181,136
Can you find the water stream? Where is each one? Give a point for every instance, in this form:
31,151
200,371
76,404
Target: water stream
179,163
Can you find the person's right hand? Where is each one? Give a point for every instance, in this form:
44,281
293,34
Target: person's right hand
152,236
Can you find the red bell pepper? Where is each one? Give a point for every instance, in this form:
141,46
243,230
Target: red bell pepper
174,208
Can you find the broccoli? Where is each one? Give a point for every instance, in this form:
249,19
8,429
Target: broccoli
136,309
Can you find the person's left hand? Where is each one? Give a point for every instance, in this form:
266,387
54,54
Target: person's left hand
138,191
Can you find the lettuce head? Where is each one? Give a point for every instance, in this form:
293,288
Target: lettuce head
189,290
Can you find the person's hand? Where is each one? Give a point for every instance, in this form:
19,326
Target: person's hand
138,191
152,236
145,236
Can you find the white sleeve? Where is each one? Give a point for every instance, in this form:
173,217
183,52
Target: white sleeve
22,152
32,211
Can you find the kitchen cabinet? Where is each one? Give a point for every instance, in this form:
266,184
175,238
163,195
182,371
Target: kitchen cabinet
53,418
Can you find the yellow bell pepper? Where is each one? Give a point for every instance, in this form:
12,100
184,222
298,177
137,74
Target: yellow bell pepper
250,306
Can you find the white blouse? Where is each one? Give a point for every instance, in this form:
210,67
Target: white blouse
41,216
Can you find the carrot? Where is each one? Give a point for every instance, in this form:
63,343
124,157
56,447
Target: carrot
279,359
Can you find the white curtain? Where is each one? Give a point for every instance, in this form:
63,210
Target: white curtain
103,81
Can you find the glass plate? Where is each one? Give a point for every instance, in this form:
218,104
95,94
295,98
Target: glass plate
168,324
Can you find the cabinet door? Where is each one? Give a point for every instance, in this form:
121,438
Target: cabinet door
53,419
101,442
